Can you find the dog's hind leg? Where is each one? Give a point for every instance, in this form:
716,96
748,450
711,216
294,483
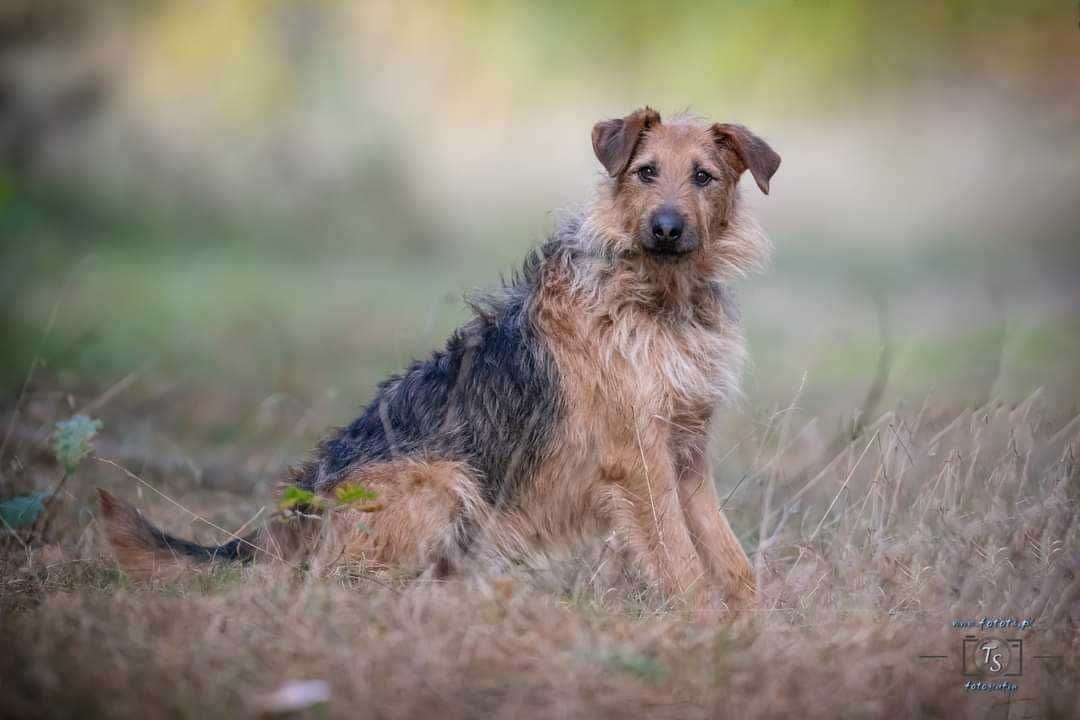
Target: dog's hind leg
425,515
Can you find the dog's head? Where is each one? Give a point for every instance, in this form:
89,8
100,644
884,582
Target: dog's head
673,187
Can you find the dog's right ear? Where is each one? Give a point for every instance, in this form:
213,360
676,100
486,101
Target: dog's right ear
614,141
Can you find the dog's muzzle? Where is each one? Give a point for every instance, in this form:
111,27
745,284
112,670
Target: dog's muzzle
666,235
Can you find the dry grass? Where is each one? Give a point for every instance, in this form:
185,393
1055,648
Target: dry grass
866,556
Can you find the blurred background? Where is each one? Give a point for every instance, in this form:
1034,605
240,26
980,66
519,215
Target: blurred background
223,222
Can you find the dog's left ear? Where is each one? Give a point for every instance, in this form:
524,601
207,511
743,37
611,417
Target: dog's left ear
614,141
753,152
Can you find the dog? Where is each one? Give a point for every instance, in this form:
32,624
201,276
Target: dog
575,403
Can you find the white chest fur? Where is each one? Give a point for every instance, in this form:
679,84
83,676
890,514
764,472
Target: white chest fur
668,367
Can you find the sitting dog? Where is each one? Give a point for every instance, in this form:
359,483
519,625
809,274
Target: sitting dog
577,400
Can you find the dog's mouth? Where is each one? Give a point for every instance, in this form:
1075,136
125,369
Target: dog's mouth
668,254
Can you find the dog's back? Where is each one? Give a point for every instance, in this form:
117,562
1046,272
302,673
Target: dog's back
490,399
576,401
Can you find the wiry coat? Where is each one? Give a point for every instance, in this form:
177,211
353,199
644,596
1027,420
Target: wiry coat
490,399
577,400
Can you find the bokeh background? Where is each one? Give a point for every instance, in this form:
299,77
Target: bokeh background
222,222
232,218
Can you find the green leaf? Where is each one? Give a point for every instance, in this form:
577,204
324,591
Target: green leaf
354,493
294,497
22,510
72,440
635,663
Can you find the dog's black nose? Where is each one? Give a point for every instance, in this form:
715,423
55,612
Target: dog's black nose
667,225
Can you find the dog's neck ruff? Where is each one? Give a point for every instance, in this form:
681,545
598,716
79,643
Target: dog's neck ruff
672,326
612,280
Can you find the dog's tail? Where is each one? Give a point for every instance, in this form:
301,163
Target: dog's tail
144,551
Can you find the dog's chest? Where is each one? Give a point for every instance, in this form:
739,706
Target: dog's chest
665,368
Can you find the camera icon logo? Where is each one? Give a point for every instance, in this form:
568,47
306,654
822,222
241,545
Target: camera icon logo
993,656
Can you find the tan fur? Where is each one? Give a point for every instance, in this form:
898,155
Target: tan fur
646,351
127,533
419,506
645,347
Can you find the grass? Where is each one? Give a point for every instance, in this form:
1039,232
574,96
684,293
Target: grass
867,554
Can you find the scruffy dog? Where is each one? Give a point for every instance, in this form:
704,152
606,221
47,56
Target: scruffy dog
577,400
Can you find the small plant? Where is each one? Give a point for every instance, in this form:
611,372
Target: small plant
351,493
295,499
72,442
638,664
22,510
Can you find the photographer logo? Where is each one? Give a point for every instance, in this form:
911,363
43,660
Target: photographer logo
992,656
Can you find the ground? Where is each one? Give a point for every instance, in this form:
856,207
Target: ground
868,545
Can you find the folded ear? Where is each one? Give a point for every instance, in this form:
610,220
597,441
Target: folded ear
753,152
614,141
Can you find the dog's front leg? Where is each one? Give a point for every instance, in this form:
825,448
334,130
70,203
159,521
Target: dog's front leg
725,560
649,516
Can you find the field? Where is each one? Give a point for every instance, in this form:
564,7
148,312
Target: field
223,258
866,554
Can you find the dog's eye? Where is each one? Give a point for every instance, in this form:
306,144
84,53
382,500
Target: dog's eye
702,178
647,173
